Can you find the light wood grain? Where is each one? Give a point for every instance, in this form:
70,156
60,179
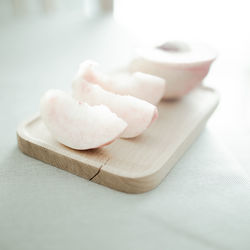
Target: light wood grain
135,165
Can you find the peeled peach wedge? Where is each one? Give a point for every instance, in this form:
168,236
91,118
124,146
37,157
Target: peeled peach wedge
138,114
144,86
182,65
78,125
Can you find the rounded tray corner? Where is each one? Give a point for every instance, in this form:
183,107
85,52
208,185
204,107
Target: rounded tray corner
134,183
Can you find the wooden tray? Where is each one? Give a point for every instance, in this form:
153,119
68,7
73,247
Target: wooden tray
129,165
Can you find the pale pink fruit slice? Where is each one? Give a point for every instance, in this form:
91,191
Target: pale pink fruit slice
137,113
78,125
182,65
144,86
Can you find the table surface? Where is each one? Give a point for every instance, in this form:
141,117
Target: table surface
204,202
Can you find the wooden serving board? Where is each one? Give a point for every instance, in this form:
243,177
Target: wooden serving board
129,165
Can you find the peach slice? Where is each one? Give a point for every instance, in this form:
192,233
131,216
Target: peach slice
182,65
144,86
78,125
137,113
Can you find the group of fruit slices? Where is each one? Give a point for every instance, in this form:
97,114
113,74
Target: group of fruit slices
104,107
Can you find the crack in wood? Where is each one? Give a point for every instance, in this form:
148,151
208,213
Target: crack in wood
99,170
